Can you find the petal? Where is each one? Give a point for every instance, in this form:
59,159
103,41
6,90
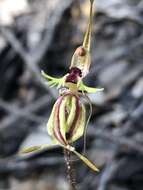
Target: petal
30,149
53,81
90,164
50,124
37,148
72,112
62,117
84,88
59,120
80,125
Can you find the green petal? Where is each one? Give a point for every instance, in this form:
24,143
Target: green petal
84,88
71,115
53,81
80,125
50,123
90,164
36,148
62,116
30,149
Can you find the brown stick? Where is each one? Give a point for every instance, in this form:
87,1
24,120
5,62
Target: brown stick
70,170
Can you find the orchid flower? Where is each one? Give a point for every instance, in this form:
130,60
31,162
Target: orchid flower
67,122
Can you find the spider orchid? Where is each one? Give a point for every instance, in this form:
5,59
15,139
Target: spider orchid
67,122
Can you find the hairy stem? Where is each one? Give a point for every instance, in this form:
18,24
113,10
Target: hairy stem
70,170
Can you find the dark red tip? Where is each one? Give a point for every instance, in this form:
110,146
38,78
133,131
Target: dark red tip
74,73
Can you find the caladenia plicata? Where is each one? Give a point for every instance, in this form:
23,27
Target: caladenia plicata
68,120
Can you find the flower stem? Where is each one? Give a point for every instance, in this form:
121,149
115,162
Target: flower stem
70,170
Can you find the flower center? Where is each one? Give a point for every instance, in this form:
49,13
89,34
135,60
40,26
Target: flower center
74,74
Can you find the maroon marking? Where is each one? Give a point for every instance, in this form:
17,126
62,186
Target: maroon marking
74,73
57,131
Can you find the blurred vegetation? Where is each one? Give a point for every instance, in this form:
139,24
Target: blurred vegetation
42,35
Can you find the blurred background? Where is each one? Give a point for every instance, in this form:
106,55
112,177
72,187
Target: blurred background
40,35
